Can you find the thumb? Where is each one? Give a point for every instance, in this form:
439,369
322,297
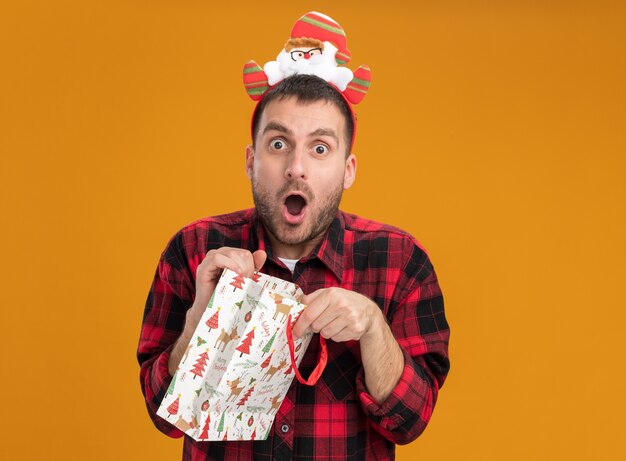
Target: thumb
259,258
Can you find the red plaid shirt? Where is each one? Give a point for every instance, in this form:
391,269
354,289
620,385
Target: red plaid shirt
337,418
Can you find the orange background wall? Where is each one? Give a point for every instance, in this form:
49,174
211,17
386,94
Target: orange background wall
494,132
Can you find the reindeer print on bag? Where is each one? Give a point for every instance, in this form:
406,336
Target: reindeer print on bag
281,308
224,338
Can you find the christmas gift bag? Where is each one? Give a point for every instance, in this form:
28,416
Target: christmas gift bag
240,362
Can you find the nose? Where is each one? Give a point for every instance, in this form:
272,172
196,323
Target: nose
295,167
307,55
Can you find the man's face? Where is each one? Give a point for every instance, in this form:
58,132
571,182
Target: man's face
299,169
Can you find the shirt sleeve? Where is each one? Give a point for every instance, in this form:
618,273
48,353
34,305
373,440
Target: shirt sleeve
418,323
170,296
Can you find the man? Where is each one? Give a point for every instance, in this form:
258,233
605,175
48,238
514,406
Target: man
370,290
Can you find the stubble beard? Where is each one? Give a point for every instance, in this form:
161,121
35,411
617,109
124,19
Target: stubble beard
316,223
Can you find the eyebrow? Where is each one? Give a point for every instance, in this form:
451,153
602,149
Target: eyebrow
325,132
275,126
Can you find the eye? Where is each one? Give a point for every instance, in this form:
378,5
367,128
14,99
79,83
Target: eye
277,144
315,51
320,149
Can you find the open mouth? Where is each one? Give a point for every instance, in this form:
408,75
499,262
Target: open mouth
295,204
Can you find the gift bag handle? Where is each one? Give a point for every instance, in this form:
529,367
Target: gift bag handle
322,359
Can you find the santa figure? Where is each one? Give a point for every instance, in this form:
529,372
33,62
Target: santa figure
304,54
317,46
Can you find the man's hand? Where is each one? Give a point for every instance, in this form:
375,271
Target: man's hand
337,314
207,275
343,315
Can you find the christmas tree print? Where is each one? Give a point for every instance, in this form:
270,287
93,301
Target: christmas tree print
213,321
253,436
267,347
220,426
198,368
173,408
170,390
247,364
205,430
211,391
267,361
210,305
244,347
256,276
245,397
238,282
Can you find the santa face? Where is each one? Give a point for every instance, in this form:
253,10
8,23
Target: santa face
304,53
299,170
309,61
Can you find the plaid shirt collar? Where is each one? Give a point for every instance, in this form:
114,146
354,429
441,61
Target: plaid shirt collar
329,251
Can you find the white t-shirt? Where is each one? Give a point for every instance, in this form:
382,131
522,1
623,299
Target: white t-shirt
290,263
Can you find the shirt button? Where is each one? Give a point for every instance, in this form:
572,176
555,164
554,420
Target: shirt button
284,428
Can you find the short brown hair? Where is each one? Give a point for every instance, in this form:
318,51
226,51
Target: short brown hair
306,89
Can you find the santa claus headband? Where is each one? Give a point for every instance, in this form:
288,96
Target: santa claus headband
317,46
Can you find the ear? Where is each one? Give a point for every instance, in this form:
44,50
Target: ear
249,161
349,174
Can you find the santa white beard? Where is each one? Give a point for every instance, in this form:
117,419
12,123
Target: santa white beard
322,65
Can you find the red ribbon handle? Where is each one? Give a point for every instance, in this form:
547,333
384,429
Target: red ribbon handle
322,359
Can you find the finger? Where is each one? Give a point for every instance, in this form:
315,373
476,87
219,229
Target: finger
343,336
215,261
300,327
314,309
245,261
311,297
330,321
259,258
333,330
304,319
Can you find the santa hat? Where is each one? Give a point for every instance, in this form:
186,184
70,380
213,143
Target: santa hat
319,26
